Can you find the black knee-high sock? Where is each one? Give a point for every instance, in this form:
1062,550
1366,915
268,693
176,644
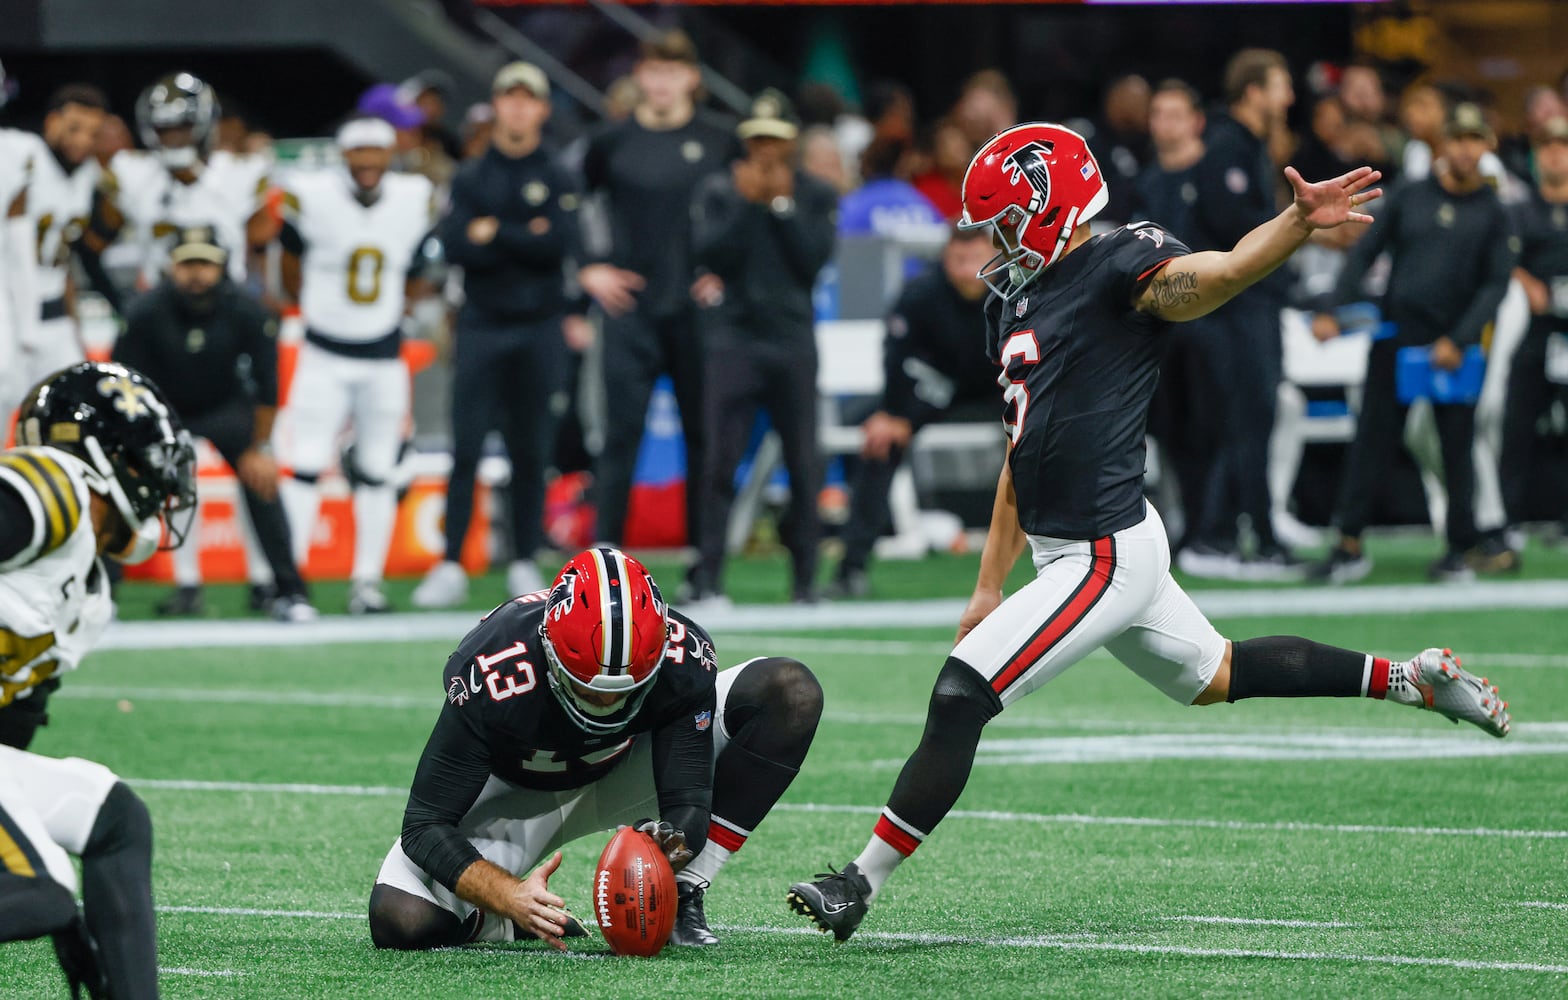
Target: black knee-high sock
935,774
117,894
771,714
1283,666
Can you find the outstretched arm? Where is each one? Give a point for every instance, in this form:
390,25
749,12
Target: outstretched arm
1197,284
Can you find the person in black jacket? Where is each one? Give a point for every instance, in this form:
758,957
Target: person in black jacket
1453,250
1182,416
762,233
1240,342
934,366
646,168
511,228
1543,271
213,349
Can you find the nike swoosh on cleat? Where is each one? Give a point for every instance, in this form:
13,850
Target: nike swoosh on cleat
832,908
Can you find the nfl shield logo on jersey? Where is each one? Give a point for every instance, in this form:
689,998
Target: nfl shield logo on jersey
1021,308
703,721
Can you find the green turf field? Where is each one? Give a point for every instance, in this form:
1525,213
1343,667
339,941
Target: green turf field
1110,843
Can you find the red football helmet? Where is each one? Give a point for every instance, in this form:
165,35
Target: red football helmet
604,634
1031,185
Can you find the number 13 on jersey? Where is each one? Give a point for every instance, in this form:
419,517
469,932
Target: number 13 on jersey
1021,351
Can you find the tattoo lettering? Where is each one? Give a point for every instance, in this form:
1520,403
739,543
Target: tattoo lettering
1174,289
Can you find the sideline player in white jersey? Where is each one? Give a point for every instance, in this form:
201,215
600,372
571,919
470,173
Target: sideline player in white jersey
351,238
103,468
177,182
61,180
18,263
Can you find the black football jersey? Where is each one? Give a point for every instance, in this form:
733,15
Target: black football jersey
1079,366
501,719
497,684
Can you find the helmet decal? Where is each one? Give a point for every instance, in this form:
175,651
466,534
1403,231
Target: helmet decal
1028,163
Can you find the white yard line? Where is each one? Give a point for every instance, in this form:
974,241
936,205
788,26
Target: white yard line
242,911
1545,906
1257,922
1074,819
180,970
1063,819
450,626
1064,942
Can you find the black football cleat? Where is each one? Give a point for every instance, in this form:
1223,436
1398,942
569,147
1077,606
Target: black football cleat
691,924
78,956
835,902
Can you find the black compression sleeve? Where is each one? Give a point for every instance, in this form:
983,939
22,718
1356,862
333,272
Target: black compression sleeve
16,522
452,771
683,772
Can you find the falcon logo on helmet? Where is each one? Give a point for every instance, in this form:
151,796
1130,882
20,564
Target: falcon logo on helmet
604,633
1029,164
1031,186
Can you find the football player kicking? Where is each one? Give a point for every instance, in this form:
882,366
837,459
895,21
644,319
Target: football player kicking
103,468
350,237
1074,322
568,712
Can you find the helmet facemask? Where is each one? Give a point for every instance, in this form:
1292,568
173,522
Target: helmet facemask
598,719
605,633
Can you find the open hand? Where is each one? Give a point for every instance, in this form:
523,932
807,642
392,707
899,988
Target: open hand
535,908
614,288
1327,204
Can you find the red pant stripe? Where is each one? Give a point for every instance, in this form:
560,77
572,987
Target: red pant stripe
895,837
1090,589
725,837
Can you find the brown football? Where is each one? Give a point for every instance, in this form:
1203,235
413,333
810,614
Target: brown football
634,898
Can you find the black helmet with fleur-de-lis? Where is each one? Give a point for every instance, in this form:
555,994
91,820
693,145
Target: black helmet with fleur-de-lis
121,426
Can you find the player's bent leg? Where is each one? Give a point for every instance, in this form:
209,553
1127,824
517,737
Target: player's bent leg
402,921
117,894
768,714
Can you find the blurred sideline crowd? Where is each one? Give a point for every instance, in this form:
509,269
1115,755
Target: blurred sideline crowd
564,280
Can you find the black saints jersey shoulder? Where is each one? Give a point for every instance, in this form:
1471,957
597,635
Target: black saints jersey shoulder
498,685
1079,366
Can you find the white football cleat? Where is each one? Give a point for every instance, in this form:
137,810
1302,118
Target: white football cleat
365,598
445,586
522,577
1456,694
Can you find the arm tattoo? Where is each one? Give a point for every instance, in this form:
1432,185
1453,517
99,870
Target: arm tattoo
1172,289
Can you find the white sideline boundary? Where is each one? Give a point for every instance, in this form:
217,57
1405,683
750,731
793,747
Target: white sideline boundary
450,626
1052,819
1067,942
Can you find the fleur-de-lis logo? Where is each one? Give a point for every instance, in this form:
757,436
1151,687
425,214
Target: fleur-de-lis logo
129,398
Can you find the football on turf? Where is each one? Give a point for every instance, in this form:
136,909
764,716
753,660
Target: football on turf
634,898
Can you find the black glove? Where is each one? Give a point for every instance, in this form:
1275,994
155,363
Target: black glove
670,840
